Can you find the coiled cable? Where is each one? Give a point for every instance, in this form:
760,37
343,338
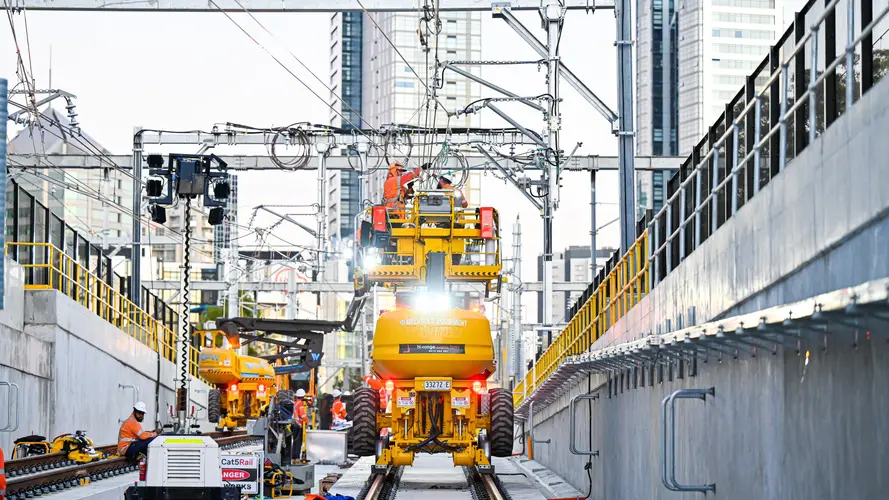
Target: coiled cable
181,400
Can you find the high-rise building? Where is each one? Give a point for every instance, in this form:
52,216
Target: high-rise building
379,77
712,45
96,215
382,75
571,265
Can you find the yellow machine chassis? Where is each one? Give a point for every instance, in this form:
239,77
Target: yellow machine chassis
460,429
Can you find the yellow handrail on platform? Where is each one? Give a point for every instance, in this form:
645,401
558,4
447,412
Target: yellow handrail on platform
622,289
56,270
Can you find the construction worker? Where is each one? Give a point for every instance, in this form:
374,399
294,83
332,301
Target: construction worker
338,409
132,440
459,199
300,412
395,187
2,476
377,385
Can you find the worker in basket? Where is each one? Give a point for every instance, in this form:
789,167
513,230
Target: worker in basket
459,199
395,188
338,412
132,441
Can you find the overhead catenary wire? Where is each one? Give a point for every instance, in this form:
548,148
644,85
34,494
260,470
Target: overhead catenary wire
298,60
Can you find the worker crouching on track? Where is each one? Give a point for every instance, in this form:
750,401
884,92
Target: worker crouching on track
132,441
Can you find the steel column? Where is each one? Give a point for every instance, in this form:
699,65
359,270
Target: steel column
624,20
3,117
136,257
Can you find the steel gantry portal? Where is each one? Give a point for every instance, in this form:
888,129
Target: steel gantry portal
548,155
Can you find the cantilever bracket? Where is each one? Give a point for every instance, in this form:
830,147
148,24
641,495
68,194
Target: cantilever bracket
509,176
566,73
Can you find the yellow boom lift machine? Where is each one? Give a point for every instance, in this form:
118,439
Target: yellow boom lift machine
244,384
434,358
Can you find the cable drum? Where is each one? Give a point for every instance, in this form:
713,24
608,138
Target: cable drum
397,147
296,137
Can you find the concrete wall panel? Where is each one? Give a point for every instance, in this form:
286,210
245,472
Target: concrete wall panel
70,363
775,429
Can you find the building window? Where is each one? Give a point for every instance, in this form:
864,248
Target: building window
749,4
734,17
404,85
745,34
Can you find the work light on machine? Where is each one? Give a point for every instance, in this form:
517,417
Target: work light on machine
371,259
432,302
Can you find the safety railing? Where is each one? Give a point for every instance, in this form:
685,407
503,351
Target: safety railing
621,289
818,70
49,268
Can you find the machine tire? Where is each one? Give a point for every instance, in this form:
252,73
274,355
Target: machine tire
285,396
502,416
366,405
214,406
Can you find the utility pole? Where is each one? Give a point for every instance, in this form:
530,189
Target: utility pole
4,113
552,16
136,257
515,340
593,228
291,293
625,174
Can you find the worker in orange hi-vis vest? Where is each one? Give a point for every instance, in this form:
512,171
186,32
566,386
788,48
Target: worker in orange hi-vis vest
338,409
300,412
395,186
132,440
2,476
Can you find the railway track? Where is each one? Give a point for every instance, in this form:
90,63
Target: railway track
478,486
44,474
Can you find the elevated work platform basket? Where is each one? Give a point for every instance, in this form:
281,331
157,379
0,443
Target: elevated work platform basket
429,239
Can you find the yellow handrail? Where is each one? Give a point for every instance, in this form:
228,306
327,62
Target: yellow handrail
53,269
622,289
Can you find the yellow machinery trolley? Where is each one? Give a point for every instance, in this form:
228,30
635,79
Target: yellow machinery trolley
434,358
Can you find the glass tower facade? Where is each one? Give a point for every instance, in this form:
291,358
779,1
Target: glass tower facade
659,138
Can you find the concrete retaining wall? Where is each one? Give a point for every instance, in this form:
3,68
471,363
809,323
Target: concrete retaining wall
69,362
775,429
821,225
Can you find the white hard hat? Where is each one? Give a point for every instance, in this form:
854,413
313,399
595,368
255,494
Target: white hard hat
336,393
140,407
300,393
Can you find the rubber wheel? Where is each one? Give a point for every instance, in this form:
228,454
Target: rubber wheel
366,405
214,406
285,396
502,417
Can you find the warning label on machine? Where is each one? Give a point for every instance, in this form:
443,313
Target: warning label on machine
432,349
241,470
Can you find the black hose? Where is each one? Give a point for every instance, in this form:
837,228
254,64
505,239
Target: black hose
182,398
589,465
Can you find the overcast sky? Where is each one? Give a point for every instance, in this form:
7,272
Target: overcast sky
190,71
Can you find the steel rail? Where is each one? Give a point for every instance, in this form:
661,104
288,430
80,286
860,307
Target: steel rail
57,473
